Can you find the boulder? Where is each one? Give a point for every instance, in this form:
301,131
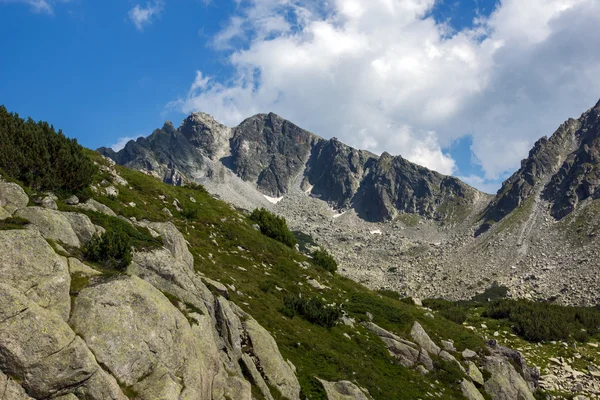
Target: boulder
52,224
344,390
474,373
11,390
28,264
256,377
82,226
72,201
470,391
406,355
444,355
422,339
173,240
45,355
77,267
505,383
426,360
468,354
49,203
154,339
4,214
276,371
12,197
93,205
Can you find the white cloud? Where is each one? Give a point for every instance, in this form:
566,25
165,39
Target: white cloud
385,76
122,141
37,6
142,16
485,185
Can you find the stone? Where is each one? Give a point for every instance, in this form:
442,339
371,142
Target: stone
52,224
173,240
505,382
344,390
256,377
49,203
111,191
422,339
28,264
4,214
448,345
154,339
11,390
40,350
468,354
470,391
218,286
474,373
93,205
277,372
444,355
406,355
77,267
83,227
12,197
72,201
426,360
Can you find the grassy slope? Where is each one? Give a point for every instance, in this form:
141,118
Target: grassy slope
226,248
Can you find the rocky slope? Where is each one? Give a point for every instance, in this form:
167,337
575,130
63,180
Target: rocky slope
180,323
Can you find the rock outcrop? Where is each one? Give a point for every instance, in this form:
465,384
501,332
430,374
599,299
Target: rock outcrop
12,197
344,390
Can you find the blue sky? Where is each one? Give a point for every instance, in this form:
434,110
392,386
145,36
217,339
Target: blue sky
462,87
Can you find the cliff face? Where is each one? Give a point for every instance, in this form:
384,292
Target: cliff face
277,156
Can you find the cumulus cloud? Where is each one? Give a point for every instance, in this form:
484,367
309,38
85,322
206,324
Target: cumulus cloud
384,75
141,16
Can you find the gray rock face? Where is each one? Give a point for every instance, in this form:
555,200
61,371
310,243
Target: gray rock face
28,263
422,339
4,214
12,197
40,349
277,372
270,151
93,205
11,390
206,134
52,224
344,390
167,345
335,171
396,185
470,391
505,383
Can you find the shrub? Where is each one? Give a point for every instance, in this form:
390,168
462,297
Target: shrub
447,309
111,249
314,310
34,153
323,259
543,321
494,292
273,226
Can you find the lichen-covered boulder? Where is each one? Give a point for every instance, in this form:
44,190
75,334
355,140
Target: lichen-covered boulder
470,391
135,331
11,390
277,372
82,226
173,240
344,390
505,383
4,214
28,263
422,339
93,205
12,197
44,354
52,224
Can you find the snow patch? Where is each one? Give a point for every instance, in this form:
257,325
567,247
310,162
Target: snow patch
339,215
376,232
273,200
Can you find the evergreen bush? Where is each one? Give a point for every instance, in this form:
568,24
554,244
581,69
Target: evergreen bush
323,259
111,249
314,310
273,226
35,154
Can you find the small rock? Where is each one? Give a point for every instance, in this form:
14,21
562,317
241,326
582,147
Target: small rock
72,201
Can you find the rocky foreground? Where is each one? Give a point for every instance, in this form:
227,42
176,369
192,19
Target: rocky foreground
163,330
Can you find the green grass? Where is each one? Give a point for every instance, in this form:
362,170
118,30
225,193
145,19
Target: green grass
13,223
228,249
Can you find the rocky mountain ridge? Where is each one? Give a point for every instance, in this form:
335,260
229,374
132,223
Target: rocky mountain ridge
396,225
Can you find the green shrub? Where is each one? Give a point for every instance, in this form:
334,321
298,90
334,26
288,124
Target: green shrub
35,154
323,259
447,372
543,321
111,249
447,309
494,292
273,226
313,310
190,213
